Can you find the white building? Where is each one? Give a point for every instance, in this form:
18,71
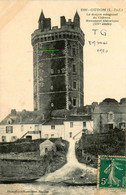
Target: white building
74,126
67,128
21,124
32,125
53,128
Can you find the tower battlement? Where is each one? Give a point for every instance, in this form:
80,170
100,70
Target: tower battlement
45,23
67,29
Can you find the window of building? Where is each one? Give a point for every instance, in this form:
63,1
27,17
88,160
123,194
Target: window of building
74,68
9,121
40,78
41,84
70,134
9,129
109,126
84,124
52,135
46,150
3,138
74,102
110,116
36,127
13,138
52,71
29,137
52,104
73,51
74,84
51,87
64,36
122,125
63,70
71,124
52,126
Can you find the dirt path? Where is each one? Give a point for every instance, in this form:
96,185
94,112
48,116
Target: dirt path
71,169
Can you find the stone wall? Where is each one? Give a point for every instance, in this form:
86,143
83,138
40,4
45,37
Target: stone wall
17,166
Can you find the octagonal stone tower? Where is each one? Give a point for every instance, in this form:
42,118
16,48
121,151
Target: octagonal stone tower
58,64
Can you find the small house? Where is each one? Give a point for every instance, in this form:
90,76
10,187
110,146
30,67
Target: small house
47,146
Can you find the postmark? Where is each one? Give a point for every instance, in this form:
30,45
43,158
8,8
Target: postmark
111,172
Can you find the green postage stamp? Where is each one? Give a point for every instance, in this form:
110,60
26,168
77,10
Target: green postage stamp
111,172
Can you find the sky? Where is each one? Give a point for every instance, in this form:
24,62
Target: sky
104,74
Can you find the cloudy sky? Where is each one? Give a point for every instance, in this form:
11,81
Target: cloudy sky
104,74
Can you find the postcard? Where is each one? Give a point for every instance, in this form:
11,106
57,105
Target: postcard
62,97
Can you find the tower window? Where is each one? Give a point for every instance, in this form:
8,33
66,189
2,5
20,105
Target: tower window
74,85
52,104
51,87
74,102
73,51
63,70
52,71
74,68
41,84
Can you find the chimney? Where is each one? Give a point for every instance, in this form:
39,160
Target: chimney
13,112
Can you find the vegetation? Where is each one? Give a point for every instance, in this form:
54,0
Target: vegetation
90,146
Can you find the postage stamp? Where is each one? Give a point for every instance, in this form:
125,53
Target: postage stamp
111,172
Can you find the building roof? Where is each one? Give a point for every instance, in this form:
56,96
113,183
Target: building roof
83,110
24,117
110,108
41,16
109,101
111,105
59,121
54,122
76,15
47,141
79,118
